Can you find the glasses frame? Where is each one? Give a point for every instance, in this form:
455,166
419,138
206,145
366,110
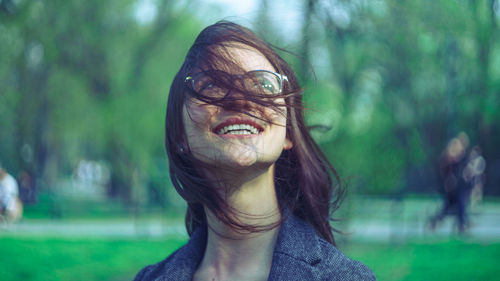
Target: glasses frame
189,80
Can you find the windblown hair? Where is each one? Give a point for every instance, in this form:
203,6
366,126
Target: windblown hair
306,183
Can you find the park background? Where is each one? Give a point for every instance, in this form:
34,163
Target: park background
388,83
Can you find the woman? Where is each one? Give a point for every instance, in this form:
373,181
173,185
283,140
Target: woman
258,188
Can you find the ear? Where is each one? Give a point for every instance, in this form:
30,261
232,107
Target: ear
288,144
182,146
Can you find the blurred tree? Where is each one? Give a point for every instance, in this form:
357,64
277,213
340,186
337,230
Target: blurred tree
78,82
410,75
89,80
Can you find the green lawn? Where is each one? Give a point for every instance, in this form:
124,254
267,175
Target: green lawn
79,259
106,259
439,260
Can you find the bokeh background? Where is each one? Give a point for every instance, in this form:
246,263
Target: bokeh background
388,83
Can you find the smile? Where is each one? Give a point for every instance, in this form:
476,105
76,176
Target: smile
242,129
238,127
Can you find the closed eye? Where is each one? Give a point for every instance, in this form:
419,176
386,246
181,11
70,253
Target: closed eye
210,89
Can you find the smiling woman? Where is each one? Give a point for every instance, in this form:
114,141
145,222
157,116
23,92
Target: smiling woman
237,147
260,192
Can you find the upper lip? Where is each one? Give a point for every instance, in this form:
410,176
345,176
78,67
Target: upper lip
237,120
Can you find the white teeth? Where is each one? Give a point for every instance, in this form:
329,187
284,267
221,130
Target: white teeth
238,129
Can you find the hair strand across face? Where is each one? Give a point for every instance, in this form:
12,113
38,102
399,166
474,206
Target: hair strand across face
306,183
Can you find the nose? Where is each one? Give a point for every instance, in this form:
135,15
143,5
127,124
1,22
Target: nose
237,101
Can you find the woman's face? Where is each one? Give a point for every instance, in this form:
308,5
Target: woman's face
224,138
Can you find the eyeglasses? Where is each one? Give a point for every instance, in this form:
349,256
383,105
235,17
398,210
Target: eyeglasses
214,82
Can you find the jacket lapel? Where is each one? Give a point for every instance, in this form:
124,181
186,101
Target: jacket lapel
185,262
296,253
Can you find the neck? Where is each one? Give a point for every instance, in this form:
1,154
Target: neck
238,254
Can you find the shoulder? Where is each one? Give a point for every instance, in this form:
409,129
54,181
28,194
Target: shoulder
335,265
9,182
156,271
300,254
181,264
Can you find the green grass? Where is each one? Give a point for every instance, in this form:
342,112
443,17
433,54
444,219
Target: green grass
79,259
438,260
107,259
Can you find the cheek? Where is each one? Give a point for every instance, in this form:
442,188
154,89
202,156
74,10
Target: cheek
197,123
197,116
277,116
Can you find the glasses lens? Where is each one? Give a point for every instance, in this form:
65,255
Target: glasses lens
214,84
263,81
204,85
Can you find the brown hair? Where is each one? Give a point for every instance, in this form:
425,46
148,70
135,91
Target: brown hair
306,183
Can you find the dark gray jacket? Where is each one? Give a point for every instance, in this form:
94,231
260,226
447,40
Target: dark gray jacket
300,254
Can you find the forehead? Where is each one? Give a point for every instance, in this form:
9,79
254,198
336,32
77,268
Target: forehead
245,57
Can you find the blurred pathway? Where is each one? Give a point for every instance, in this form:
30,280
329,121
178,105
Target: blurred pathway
378,220
121,228
483,229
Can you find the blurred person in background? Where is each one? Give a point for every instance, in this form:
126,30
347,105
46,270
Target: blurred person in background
260,192
27,192
11,206
474,174
456,185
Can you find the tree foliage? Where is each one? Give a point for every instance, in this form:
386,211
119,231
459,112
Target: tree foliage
395,81
86,80
407,77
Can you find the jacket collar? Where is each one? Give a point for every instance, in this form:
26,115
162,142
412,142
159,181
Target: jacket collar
297,241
